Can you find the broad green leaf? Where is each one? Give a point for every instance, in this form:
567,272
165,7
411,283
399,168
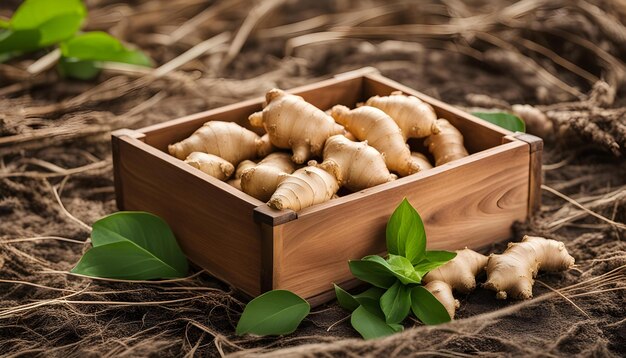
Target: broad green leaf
432,260
273,313
504,120
56,20
396,303
405,233
374,272
373,293
18,40
370,325
427,308
100,46
4,24
73,68
346,300
439,255
123,260
402,268
148,233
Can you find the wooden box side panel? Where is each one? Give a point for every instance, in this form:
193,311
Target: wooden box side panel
323,95
471,203
478,134
214,227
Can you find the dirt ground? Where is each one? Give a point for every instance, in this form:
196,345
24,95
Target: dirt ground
564,58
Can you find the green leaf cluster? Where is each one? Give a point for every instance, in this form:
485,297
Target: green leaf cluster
504,120
38,24
133,245
396,280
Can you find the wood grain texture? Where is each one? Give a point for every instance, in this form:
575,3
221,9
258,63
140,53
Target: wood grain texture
214,227
471,202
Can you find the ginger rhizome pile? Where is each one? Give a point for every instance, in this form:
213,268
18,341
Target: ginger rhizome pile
512,273
297,132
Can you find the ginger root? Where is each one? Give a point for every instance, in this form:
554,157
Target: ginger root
292,123
211,164
227,140
381,132
447,145
236,181
415,118
261,180
422,160
512,273
458,274
305,187
360,165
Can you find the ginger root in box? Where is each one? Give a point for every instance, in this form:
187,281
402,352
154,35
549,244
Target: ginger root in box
261,180
512,273
227,140
381,132
236,181
305,187
211,164
415,118
360,165
292,123
422,160
447,145
458,274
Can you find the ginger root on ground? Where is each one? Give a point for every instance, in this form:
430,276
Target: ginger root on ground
292,123
236,181
512,273
211,164
458,274
360,165
422,160
381,132
305,187
261,180
415,118
227,140
447,145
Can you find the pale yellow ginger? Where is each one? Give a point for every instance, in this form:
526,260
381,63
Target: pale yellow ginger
211,164
227,140
512,273
261,180
236,181
292,123
305,187
381,132
458,274
422,160
415,118
360,165
447,145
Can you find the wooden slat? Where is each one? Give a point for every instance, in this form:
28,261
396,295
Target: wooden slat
214,227
471,202
478,134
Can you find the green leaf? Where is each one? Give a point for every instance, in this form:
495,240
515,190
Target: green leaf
427,308
504,120
374,272
55,20
370,325
273,313
100,46
396,303
405,233
402,268
432,260
142,236
4,24
372,293
82,70
18,40
346,300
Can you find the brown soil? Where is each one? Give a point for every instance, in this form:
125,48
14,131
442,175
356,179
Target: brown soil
50,125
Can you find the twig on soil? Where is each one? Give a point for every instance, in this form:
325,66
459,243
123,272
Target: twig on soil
39,238
191,54
564,297
160,282
64,210
336,323
39,175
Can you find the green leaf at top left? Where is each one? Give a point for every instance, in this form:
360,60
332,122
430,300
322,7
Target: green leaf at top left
273,313
100,46
55,20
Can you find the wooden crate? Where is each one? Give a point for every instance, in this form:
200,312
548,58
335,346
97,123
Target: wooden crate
469,202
